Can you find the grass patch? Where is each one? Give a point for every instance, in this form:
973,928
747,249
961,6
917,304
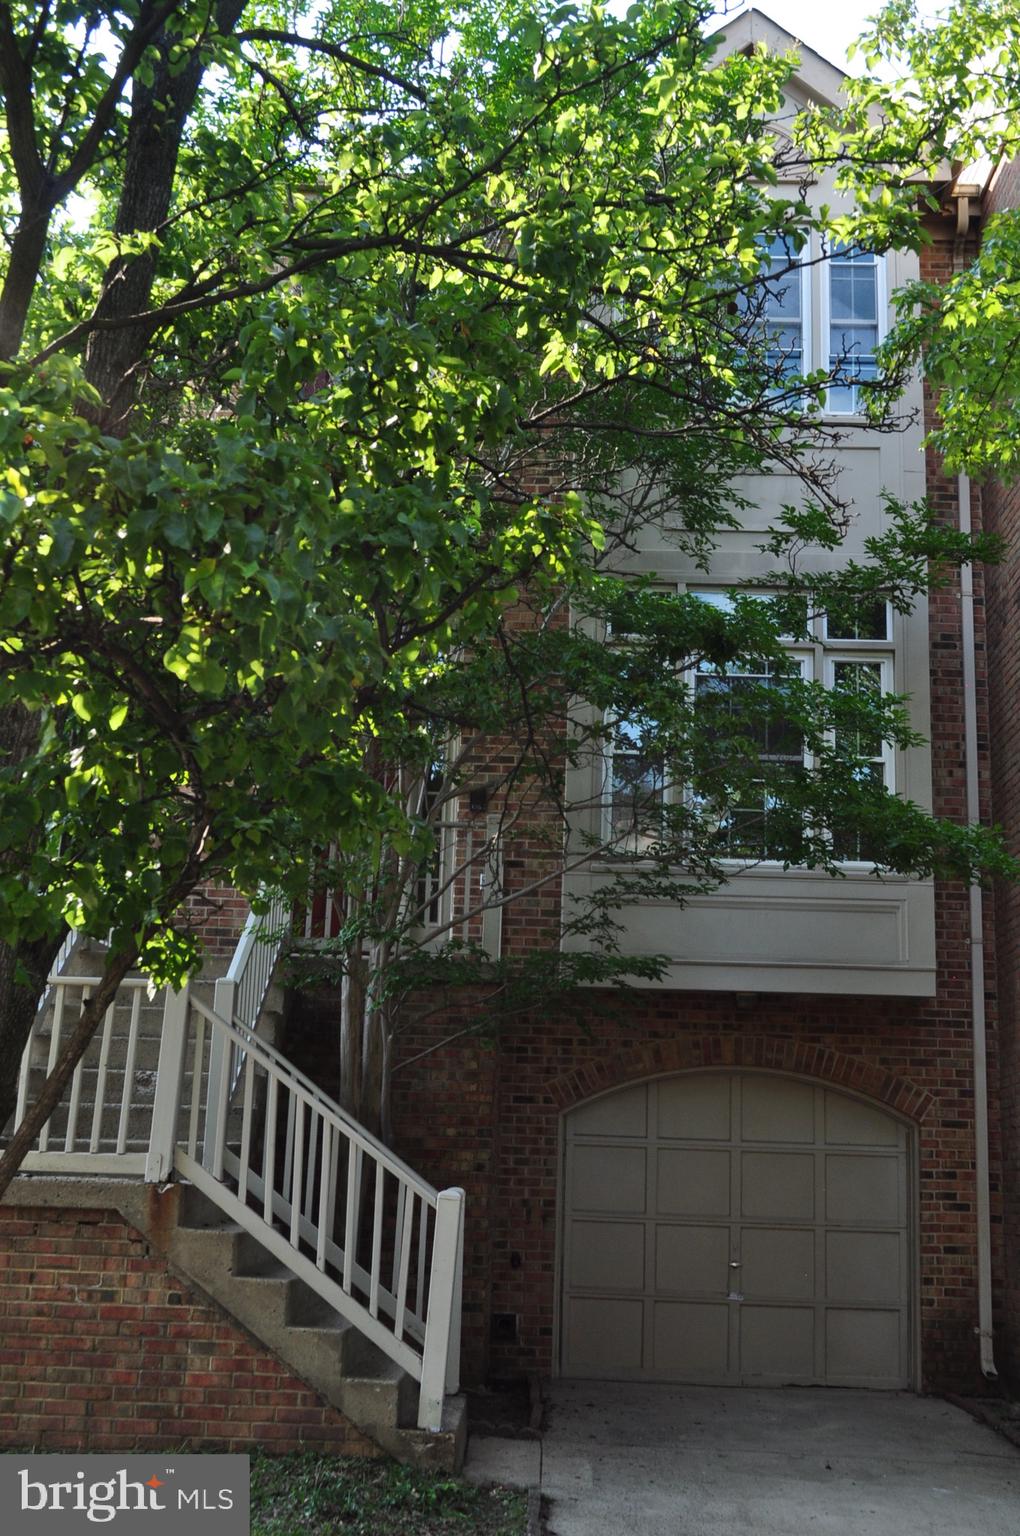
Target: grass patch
306,1494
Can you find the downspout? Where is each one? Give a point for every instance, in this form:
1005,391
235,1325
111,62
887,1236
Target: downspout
977,959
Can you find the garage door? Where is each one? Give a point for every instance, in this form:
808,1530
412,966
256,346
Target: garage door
736,1228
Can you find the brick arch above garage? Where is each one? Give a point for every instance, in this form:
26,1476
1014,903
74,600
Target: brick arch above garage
713,1052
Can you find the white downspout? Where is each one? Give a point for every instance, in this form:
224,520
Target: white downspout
977,959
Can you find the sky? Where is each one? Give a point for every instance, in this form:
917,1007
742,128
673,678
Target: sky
828,26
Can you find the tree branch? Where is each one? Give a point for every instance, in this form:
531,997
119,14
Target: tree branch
333,51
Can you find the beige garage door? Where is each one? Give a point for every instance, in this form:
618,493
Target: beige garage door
736,1228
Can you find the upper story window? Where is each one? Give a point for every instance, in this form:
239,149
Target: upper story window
850,652
636,774
853,325
846,291
785,311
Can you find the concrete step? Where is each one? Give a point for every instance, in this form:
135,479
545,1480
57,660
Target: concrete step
299,1325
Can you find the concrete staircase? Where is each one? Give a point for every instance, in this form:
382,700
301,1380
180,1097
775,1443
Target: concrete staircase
231,1266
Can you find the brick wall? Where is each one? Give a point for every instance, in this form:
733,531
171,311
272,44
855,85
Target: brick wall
104,1349
216,914
1003,517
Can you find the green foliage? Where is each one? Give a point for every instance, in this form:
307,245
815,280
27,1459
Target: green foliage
318,1494
264,529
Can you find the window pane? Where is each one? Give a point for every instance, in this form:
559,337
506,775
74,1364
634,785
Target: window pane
735,697
853,327
861,680
856,622
781,306
637,787
851,845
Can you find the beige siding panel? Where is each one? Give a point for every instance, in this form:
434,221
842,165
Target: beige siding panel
863,1347
777,1186
739,1228
864,1267
616,1114
777,1110
693,1182
694,1108
863,1189
604,1337
778,1263
853,1124
777,1344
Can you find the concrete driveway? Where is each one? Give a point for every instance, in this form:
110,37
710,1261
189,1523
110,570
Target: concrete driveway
622,1460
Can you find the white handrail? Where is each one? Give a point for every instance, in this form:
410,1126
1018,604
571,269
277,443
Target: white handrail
254,960
320,1192
64,953
312,1092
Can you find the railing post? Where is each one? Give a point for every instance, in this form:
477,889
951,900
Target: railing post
224,997
453,1349
169,1076
443,1307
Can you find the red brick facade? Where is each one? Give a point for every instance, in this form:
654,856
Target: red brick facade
104,1349
1003,517
490,1118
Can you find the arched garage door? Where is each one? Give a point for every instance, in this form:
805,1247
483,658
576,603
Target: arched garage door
736,1228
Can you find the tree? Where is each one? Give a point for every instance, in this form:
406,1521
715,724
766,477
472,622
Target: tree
333,337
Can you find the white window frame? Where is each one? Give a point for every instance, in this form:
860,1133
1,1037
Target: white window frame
882,314
803,276
804,654
867,653
817,658
610,842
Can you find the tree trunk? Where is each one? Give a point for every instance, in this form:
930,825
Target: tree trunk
159,113
24,966
23,972
27,250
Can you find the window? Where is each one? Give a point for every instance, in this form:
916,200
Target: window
870,621
724,694
853,325
850,649
636,776
783,311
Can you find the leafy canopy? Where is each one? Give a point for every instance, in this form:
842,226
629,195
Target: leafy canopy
332,330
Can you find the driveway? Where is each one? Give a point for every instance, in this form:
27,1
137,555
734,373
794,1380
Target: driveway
622,1460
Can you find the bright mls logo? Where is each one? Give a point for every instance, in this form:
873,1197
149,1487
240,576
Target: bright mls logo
164,1492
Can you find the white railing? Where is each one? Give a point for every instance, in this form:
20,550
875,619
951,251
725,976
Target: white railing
456,895
240,995
169,1084
63,955
103,1123
251,968
331,1202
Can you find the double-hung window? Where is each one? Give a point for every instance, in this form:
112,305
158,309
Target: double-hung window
851,653
731,697
853,325
784,311
859,663
636,784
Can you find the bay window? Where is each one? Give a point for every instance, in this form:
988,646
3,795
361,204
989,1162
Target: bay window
742,703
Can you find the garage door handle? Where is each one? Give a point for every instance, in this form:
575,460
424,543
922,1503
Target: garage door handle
735,1264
